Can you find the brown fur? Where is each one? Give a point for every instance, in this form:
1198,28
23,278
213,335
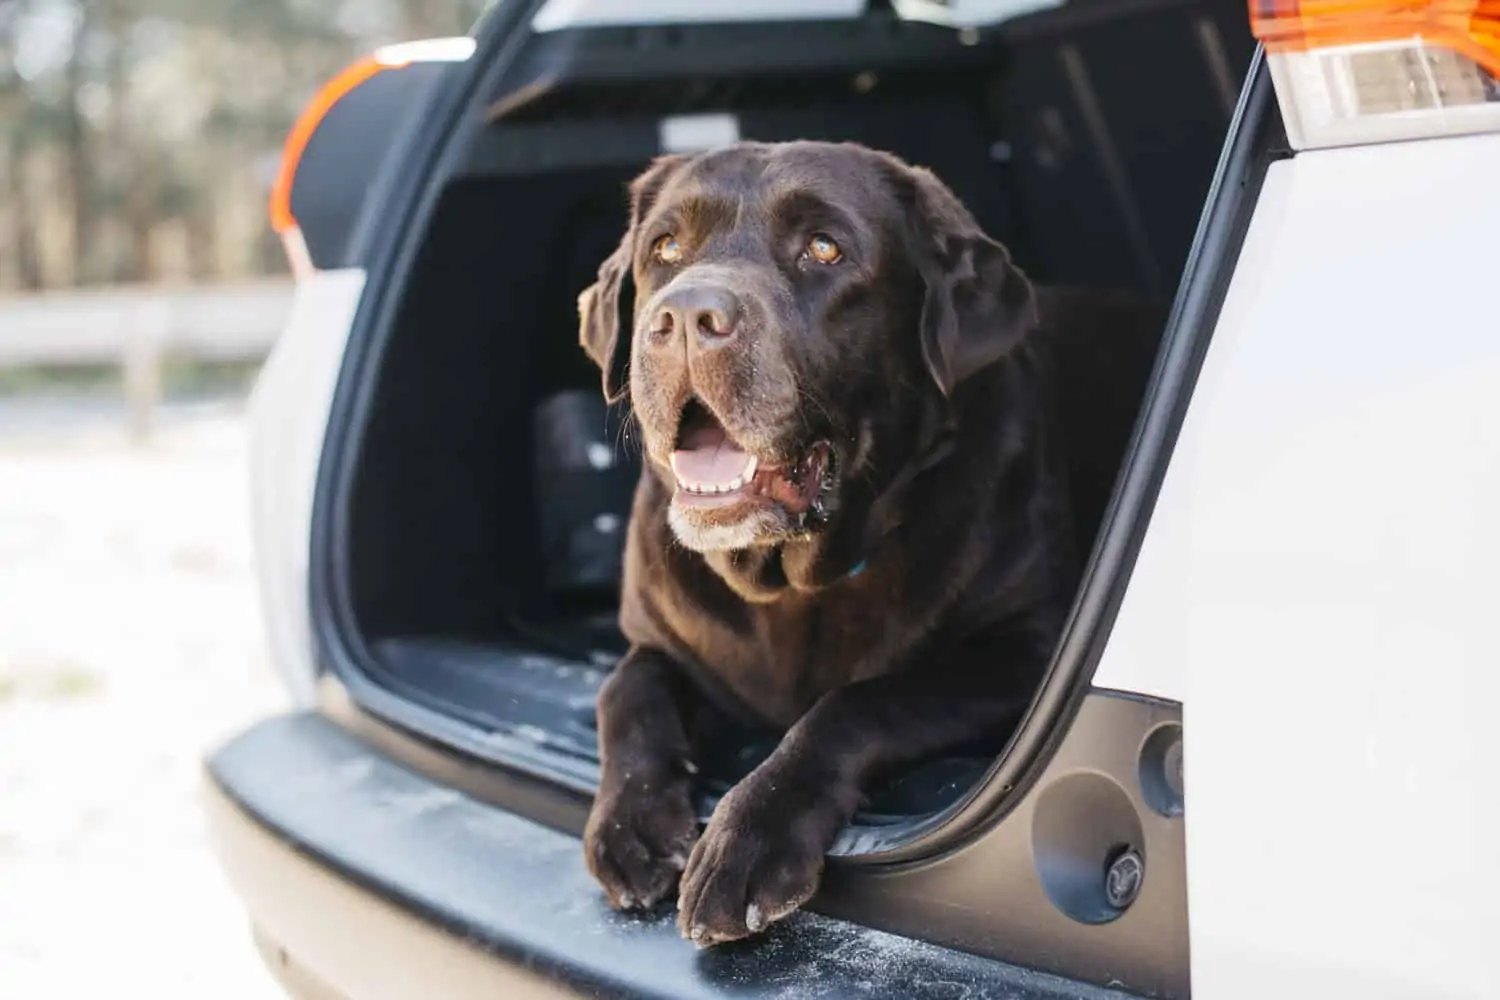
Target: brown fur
916,360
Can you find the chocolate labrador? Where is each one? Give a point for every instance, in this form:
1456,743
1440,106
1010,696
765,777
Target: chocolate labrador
854,523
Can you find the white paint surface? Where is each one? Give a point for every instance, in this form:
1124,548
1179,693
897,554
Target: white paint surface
556,15
289,417
458,49
1320,582
970,13
697,133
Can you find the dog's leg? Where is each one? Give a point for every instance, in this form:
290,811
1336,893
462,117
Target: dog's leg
761,856
642,824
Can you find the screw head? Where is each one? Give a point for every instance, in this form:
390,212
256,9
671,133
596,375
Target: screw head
1172,766
1123,877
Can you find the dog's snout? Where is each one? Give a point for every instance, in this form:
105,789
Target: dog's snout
706,313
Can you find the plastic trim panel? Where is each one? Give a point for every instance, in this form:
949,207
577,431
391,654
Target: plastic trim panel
521,892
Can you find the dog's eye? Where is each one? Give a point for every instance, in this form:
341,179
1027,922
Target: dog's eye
667,250
823,249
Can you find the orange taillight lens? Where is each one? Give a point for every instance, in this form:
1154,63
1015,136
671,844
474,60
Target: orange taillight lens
317,112
1468,27
307,123
1349,72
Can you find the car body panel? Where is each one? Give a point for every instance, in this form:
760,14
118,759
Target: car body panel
1318,582
288,417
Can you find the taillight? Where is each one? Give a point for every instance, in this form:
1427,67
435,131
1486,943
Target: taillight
370,127
307,123
1359,71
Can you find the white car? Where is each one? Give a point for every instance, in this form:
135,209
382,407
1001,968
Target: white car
1263,762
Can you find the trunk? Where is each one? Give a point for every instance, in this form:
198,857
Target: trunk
22,239
81,175
473,489
133,170
138,263
480,544
202,255
433,18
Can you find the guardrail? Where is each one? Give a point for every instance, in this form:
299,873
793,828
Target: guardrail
139,327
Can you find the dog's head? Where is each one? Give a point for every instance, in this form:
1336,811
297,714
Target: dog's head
797,311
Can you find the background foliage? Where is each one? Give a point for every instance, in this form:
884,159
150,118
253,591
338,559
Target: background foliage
138,138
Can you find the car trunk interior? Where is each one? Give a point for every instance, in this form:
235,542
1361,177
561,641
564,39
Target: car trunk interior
480,536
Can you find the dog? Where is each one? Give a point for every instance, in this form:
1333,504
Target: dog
854,523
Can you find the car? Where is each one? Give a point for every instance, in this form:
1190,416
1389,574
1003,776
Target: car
1261,761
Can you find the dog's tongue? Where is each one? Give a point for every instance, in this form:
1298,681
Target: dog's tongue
706,456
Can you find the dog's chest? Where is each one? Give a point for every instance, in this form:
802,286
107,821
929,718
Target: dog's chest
778,659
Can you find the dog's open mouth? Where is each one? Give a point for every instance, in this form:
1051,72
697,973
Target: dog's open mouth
713,471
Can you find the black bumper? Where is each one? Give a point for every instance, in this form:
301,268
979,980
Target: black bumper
368,880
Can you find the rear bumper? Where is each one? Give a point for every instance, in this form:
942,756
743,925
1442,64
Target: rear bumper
365,881
326,937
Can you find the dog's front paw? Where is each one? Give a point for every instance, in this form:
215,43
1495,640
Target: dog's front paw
759,860
638,838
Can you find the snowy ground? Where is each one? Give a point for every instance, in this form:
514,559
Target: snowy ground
129,643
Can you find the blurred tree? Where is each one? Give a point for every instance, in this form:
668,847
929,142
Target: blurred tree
138,138
17,229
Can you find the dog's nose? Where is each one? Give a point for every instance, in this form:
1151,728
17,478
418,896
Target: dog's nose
706,313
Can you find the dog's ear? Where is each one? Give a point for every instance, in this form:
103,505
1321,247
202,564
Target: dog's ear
606,309
979,305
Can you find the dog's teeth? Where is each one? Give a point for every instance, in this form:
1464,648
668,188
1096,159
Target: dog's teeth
711,489
750,468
